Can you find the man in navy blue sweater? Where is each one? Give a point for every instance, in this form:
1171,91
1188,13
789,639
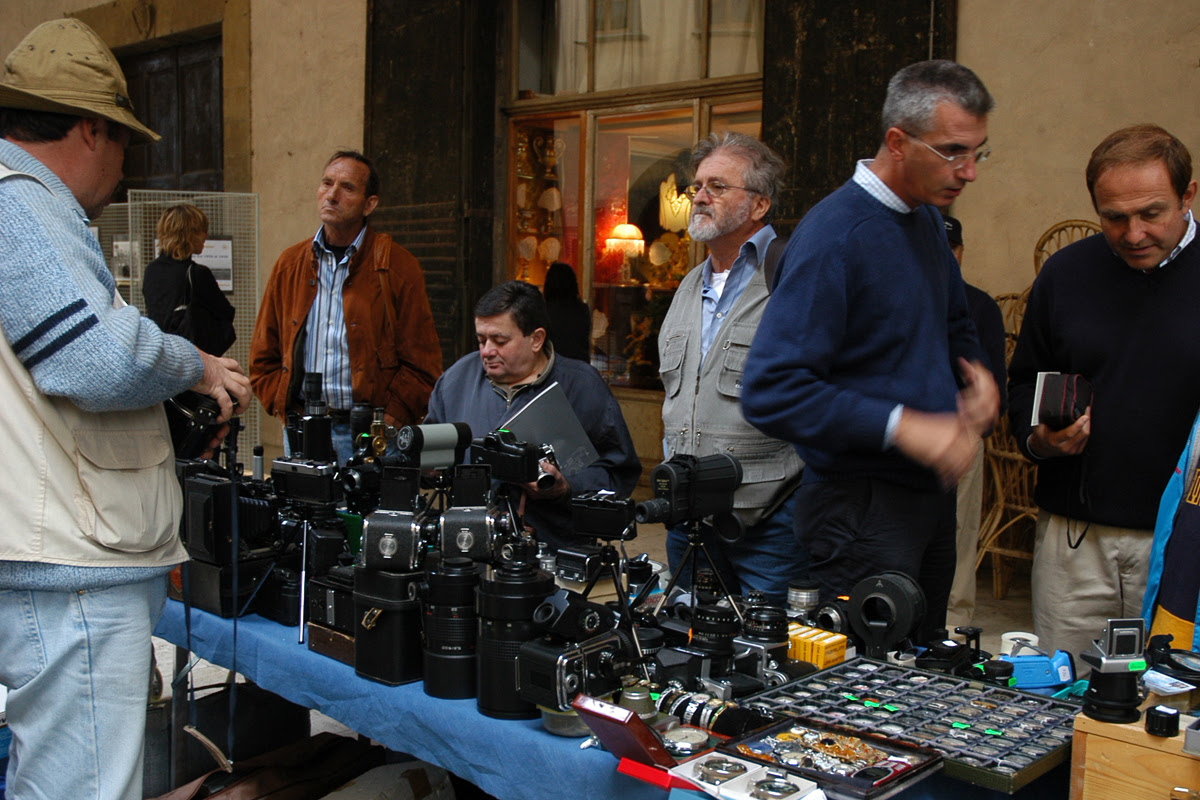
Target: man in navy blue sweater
1118,308
861,353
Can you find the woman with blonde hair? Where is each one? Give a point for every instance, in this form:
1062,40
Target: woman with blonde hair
182,296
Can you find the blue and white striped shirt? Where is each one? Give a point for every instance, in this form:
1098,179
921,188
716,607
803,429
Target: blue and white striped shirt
327,350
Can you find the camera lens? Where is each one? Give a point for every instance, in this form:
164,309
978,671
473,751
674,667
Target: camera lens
450,628
766,624
649,511
713,630
508,595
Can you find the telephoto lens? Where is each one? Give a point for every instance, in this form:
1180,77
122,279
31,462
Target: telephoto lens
450,627
508,594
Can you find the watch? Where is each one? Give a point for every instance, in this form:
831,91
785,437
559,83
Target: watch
689,711
683,741
717,770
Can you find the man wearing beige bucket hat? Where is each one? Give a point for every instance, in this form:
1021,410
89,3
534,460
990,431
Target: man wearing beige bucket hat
87,486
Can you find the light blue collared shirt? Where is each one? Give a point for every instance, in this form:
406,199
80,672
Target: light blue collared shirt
714,309
327,350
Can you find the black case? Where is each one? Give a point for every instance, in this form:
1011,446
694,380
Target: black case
387,626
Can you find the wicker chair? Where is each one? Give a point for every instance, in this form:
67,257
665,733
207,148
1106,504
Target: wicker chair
1058,236
1009,513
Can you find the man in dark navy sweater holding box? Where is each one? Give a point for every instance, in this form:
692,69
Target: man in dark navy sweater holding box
1118,308
866,359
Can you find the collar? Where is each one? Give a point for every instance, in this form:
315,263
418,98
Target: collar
750,256
19,159
509,393
320,245
1188,235
874,186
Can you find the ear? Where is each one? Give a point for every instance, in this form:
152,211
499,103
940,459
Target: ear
1188,196
372,201
91,129
538,338
762,204
893,142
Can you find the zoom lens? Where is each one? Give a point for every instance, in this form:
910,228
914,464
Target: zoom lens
508,595
450,628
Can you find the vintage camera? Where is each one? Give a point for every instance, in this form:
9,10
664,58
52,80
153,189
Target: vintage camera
510,460
552,673
437,446
476,524
1117,659
716,653
690,489
603,515
207,530
394,538
192,421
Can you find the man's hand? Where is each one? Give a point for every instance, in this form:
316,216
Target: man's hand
1070,441
560,488
942,442
224,382
979,401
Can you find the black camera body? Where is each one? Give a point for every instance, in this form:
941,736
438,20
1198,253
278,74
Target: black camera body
603,515
510,460
192,421
687,488
208,519
553,673
393,541
717,654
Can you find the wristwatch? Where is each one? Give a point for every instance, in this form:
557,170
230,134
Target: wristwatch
683,741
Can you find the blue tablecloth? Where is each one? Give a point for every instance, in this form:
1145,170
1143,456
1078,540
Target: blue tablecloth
506,758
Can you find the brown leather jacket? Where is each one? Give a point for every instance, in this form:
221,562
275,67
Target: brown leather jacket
395,356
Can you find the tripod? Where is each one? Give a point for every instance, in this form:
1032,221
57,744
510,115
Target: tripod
610,559
696,548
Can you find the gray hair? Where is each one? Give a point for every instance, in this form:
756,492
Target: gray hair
765,171
914,92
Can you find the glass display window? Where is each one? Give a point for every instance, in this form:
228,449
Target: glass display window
604,193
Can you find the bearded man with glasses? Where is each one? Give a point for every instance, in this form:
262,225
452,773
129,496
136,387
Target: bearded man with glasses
702,349
865,344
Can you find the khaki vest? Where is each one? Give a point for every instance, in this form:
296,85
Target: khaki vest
81,488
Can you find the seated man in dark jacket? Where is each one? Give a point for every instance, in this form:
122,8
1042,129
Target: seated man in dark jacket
518,362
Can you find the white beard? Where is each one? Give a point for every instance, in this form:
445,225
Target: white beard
705,227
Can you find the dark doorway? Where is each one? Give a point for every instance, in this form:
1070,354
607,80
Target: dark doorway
176,91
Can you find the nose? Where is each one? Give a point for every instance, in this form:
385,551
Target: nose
967,170
1135,231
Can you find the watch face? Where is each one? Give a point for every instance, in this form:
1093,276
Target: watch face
685,741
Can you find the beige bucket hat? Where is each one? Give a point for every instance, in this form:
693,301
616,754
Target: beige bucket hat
63,66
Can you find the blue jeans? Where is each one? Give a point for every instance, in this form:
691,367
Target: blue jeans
77,665
767,558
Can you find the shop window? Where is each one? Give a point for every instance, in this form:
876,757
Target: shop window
605,194
567,47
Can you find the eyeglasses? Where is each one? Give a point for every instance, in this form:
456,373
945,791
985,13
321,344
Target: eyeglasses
981,155
714,189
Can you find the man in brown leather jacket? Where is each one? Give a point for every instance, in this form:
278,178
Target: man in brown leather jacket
350,304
